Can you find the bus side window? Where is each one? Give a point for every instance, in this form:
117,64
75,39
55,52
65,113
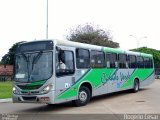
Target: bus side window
97,59
122,60
148,62
64,63
132,61
111,59
140,62
82,58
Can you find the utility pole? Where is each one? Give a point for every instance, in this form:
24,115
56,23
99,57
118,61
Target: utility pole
47,22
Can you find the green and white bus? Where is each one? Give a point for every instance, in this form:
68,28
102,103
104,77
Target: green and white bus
56,71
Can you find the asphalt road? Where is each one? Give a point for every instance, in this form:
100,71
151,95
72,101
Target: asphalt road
147,100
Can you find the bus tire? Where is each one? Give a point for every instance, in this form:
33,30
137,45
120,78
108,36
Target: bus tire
136,86
50,105
84,96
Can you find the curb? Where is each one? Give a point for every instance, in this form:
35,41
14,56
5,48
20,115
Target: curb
5,100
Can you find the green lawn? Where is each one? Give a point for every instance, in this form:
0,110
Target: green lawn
5,90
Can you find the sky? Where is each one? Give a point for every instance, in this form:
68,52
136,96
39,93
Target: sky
127,20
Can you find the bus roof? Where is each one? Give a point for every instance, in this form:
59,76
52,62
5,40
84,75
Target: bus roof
77,44
96,47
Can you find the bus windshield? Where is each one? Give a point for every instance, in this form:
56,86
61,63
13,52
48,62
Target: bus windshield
31,67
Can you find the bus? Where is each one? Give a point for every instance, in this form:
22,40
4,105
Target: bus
57,71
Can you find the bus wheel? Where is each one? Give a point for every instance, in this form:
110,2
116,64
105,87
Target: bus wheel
50,105
84,96
136,86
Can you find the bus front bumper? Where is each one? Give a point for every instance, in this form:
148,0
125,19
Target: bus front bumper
39,98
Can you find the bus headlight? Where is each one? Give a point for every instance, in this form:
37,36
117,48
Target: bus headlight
46,89
15,91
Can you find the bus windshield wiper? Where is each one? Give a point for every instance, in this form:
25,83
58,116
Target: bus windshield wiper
25,57
36,58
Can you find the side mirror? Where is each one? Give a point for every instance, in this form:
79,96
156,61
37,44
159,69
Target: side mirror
61,54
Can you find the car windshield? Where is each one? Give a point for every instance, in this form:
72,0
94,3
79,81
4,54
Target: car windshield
31,67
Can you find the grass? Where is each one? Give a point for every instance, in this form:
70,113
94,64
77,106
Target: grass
5,90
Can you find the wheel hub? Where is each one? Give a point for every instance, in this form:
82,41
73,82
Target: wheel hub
83,96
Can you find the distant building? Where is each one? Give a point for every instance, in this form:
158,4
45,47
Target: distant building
6,72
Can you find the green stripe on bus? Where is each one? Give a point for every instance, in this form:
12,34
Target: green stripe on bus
113,50
77,81
94,77
72,91
141,74
41,82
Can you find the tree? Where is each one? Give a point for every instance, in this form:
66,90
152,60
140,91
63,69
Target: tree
9,57
91,34
5,59
1,63
154,52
